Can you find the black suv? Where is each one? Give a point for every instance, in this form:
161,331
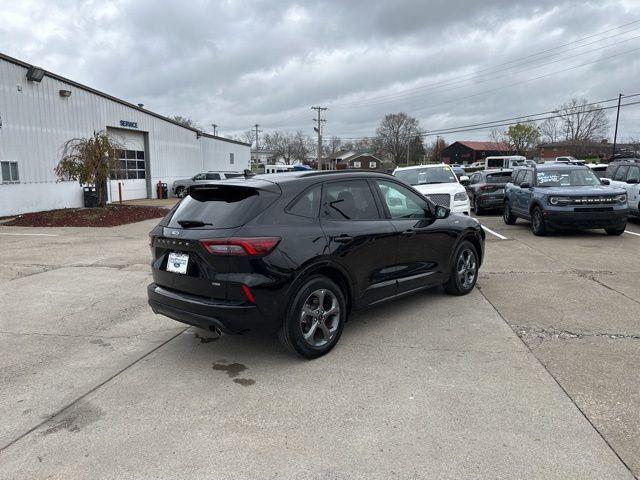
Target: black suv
486,189
294,253
563,195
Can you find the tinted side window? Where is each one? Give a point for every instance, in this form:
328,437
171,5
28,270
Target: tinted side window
475,178
621,173
307,204
611,170
213,176
528,177
634,172
349,200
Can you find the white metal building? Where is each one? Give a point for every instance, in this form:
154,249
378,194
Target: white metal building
38,117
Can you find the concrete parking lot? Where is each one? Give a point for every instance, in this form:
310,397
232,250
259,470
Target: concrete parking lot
535,374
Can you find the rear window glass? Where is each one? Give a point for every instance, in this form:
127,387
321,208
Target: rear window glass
502,177
220,207
233,175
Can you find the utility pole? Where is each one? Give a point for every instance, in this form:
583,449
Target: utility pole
615,135
215,129
318,128
257,145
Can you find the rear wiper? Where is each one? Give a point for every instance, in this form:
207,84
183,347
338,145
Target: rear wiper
193,223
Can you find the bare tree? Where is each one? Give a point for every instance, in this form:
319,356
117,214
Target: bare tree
90,161
186,121
333,146
434,149
582,122
302,145
395,132
551,130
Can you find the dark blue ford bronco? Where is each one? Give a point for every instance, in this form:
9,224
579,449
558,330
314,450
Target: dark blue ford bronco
556,196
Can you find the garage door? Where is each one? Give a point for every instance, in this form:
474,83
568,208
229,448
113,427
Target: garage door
131,177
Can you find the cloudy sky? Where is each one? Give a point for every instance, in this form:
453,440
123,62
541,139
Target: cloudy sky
241,62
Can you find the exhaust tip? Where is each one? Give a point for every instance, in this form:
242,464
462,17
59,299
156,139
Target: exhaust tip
216,330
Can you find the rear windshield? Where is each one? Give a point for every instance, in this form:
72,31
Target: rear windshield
502,177
220,206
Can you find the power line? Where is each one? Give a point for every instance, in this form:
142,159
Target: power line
493,69
432,133
526,118
439,88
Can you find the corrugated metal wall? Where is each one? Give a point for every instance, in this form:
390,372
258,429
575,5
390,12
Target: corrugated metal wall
36,121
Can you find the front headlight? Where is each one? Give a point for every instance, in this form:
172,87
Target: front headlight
621,198
460,197
553,200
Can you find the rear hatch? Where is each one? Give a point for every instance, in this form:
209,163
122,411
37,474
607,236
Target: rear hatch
183,257
495,182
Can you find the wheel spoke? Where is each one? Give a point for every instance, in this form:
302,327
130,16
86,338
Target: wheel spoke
328,335
308,312
312,330
321,294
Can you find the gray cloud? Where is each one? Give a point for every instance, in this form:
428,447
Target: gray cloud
236,63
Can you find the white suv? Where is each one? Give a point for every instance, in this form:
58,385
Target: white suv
438,183
625,174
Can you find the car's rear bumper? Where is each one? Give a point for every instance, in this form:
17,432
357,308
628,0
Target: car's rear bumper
494,200
206,313
587,219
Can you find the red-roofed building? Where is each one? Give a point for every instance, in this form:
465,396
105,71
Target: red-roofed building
468,152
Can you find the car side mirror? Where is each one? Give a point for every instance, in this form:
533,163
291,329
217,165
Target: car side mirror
605,181
525,185
633,181
464,180
442,212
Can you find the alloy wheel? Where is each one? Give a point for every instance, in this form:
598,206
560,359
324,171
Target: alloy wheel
320,318
466,268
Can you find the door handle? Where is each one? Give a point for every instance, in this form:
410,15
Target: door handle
409,233
344,238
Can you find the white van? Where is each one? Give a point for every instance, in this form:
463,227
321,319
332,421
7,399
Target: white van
278,168
509,161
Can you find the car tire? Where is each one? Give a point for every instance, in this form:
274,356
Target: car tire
538,226
464,270
507,215
180,191
477,210
616,231
309,329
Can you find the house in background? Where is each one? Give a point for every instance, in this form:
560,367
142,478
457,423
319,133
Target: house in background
466,152
352,160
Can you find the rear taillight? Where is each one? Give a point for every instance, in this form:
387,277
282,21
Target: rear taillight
487,187
252,246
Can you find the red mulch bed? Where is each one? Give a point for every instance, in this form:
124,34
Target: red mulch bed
109,216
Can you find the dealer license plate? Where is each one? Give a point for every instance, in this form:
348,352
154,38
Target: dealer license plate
177,262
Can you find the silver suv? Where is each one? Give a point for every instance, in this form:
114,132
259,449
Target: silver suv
625,173
179,187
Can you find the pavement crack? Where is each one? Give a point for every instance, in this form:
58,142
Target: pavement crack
90,391
543,365
591,276
555,333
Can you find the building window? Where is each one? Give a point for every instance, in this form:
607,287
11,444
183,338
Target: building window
231,158
372,164
131,165
9,172
356,164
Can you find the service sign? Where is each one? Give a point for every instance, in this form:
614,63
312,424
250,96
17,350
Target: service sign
128,124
